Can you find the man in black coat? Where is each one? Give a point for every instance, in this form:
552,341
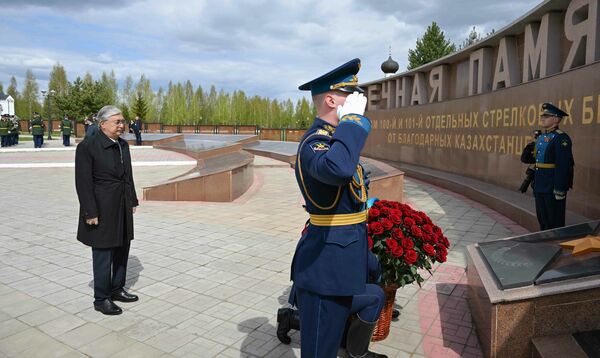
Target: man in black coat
107,199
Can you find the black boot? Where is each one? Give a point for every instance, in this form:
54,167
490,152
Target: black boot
358,339
395,313
287,319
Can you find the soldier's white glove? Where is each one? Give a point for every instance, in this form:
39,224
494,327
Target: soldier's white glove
355,103
560,195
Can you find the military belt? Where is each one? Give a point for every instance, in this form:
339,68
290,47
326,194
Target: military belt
545,165
339,219
36,126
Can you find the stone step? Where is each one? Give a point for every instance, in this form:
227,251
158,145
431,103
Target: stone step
557,347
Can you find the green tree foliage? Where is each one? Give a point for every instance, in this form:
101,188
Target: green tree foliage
58,80
12,88
1,87
28,103
84,97
144,88
471,39
109,85
139,107
178,103
430,47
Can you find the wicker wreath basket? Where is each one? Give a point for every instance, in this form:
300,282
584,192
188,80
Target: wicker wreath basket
382,329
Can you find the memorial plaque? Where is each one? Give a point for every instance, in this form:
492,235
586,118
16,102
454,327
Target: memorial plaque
578,269
518,264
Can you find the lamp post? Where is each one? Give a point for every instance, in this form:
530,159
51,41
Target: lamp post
49,94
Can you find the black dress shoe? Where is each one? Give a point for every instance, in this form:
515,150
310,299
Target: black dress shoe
108,307
395,313
284,316
124,297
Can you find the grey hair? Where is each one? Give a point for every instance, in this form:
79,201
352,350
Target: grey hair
106,112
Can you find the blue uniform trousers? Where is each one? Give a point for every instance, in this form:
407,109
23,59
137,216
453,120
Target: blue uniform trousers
38,140
66,140
110,270
550,212
369,304
323,318
138,137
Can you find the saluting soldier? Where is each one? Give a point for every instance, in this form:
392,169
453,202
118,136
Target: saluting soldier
66,127
553,169
330,266
4,130
37,130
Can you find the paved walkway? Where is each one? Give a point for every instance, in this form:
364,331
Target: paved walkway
210,275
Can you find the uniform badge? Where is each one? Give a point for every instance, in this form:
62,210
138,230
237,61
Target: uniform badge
323,132
319,147
564,143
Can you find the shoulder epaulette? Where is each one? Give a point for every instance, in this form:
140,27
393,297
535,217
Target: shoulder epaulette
323,132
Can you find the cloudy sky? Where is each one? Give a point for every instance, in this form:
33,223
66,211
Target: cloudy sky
264,47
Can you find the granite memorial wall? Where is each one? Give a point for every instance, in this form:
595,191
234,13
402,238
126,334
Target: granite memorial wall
472,112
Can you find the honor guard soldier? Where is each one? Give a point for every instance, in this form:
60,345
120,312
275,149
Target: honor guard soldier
330,265
16,128
553,169
37,130
66,127
4,130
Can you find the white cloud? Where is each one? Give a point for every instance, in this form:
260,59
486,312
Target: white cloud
264,47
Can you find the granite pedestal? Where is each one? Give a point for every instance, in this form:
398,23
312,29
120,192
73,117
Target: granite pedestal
529,287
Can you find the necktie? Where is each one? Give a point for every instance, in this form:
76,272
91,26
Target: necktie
120,151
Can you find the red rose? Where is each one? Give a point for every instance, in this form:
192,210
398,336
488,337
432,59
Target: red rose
398,251
396,219
441,257
391,243
373,213
385,211
370,240
441,249
444,241
410,256
409,221
429,238
396,212
429,250
407,243
397,233
417,218
428,229
376,228
416,231
387,224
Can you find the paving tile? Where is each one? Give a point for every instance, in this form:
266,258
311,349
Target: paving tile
61,325
84,334
11,326
16,344
108,345
42,315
